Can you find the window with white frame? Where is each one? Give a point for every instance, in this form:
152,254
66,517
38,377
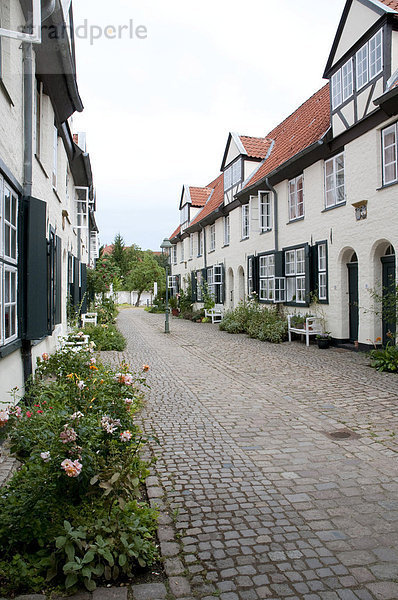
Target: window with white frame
215,283
264,199
296,198
227,231
250,276
199,286
174,254
245,221
55,157
334,181
267,277
173,284
200,243
322,272
212,237
390,154
295,275
369,60
191,245
233,175
82,209
182,251
8,263
343,84
337,95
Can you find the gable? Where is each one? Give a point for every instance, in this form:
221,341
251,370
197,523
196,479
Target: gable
358,17
185,196
233,149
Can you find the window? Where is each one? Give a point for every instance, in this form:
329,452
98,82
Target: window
322,272
245,222
390,153
173,284
8,263
174,255
38,117
337,96
184,214
233,175
199,286
267,277
250,276
215,282
347,73
200,243
212,237
182,251
265,211
82,198
227,231
369,60
55,157
296,198
334,181
295,275
191,246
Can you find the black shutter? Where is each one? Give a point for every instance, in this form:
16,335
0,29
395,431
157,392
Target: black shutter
204,274
36,270
76,290
314,269
279,264
256,274
58,280
177,283
83,288
222,298
308,262
194,287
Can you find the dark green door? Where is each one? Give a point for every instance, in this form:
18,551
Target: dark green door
353,300
389,298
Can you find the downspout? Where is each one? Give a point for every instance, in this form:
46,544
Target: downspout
276,230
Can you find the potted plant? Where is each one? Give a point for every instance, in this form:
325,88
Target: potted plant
173,302
323,340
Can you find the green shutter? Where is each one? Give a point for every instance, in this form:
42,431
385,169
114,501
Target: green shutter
83,288
76,289
256,274
222,299
279,264
58,281
314,269
35,269
308,262
194,287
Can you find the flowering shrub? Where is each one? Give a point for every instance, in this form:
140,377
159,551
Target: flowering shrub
76,437
106,337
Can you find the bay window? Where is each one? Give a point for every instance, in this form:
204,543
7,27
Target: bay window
390,153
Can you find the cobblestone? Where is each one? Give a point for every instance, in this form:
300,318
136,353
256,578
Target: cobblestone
247,474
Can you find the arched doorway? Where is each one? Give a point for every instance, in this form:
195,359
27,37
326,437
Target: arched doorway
353,297
241,284
389,320
230,288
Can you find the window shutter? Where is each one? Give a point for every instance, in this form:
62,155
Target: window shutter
194,287
58,282
279,266
314,268
204,274
36,273
308,264
177,280
222,294
256,274
76,289
83,289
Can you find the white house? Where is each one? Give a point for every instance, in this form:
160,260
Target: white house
48,233
309,210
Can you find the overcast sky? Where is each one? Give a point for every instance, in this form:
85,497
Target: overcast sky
159,106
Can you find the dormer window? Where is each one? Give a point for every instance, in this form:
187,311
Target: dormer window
233,175
369,60
343,84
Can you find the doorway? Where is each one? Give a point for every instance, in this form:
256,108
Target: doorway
353,298
389,321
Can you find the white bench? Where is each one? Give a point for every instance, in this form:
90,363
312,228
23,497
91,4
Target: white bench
89,319
312,326
215,314
77,341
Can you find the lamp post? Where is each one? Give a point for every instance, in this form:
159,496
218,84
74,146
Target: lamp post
166,245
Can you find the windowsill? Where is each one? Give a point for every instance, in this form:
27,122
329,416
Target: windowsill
10,348
3,88
294,303
265,231
295,220
386,185
225,246
244,239
42,166
327,208
210,251
57,195
190,259
199,256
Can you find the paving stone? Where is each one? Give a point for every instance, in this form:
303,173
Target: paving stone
179,586
147,591
113,593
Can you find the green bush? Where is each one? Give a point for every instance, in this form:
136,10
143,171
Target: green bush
73,514
265,324
197,314
105,337
106,310
385,359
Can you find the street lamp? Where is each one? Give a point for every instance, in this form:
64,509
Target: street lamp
166,245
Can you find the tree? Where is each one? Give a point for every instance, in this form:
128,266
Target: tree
145,271
119,255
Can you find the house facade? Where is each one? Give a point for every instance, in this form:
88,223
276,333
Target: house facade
306,216
48,233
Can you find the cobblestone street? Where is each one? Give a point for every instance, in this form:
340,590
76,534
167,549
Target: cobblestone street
256,499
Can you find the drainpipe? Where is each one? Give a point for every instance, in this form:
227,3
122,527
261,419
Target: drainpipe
276,231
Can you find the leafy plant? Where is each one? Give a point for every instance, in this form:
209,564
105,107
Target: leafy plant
105,337
265,324
385,359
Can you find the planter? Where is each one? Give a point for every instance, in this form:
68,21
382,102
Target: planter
175,312
323,344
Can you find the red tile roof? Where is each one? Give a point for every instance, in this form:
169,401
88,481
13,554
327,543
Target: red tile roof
301,129
215,201
175,233
390,3
199,196
255,147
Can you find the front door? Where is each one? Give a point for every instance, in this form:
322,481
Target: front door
389,298
353,295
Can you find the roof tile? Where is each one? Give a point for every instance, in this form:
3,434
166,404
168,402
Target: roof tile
199,196
256,147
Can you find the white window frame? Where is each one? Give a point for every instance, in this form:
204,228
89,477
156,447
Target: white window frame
200,243
347,79
362,67
35,36
174,254
376,54
182,259
245,218
11,303
280,290
337,89
212,237
5,223
55,158
191,244
392,129
331,181
227,230
265,211
322,272
267,277
250,285
199,286
295,275
82,207
233,175
94,246
172,283
296,205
